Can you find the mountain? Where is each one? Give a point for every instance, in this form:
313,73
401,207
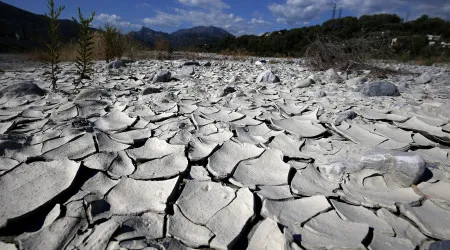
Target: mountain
199,35
22,30
183,38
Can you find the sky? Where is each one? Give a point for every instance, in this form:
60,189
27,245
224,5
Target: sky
238,17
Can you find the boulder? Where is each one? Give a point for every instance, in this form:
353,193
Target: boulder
399,169
162,76
151,90
188,70
331,76
116,64
268,76
423,78
379,89
191,63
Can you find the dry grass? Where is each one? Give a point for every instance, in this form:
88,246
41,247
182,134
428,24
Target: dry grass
323,54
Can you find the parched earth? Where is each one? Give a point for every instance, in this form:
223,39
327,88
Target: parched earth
224,154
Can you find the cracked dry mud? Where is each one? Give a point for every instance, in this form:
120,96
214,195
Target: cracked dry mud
224,155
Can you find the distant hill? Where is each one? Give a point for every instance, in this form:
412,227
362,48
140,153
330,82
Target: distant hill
22,30
183,38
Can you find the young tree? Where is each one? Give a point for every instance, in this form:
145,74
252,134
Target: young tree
54,43
85,43
114,44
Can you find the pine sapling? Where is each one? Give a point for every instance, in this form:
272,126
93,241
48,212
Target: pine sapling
53,46
85,48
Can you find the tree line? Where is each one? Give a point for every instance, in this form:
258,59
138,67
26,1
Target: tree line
411,36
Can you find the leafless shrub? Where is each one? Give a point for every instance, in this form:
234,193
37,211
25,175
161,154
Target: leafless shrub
326,53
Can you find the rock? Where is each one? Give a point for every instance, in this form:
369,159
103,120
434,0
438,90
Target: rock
431,219
320,93
207,64
423,78
29,186
346,115
360,214
293,213
191,63
93,94
151,90
132,196
331,76
267,236
310,182
437,245
268,77
116,64
228,90
190,234
228,223
328,231
267,170
188,71
222,162
399,169
20,90
199,201
304,83
162,76
379,89
402,228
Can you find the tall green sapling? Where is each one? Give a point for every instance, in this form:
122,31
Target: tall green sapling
53,46
85,49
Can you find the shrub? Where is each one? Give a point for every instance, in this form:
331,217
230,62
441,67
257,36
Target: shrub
114,44
53,46
85,45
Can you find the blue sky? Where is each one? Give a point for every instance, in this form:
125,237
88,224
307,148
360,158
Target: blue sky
236,16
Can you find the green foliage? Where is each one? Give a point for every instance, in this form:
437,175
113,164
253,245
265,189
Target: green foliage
380,28
53,46
85,49
114,42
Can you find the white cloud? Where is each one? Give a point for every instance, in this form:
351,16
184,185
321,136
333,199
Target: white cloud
101,19
234,24
205,4
300,11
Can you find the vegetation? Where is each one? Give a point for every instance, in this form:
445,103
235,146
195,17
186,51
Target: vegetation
412,39
54,44
85,48
113,41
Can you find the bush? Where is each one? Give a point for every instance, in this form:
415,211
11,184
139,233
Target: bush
114,44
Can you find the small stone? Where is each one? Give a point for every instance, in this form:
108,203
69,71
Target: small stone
162,76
